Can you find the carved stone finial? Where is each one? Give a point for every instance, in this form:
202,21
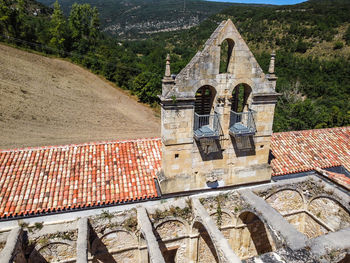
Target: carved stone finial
272,75
167,67
272,63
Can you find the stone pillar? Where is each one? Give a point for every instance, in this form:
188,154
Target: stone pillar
292,237
83,240
221,244
147,231
13,250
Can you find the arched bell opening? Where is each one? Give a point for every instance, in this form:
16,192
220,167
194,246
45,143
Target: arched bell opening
226,56
206,121
241,98
204,100
242,121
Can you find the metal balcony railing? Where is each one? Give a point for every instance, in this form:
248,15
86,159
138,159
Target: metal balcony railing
242,123
206,126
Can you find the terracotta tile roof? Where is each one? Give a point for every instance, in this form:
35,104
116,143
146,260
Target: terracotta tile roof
300,151
336,177
46,179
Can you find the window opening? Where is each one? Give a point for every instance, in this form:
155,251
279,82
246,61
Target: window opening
226,50
204,99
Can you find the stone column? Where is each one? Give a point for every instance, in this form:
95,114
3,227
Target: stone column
83,240
221,244
147,231
13,250
292,237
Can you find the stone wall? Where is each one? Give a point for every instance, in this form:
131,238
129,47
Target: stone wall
246,233
197,229
308,206
189,163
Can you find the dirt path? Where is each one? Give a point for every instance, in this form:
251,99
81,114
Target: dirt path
45,101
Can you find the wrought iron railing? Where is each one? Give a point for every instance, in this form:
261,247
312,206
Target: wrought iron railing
206,126
242,123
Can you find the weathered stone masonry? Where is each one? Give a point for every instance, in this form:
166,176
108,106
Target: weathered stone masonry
223,226
192,163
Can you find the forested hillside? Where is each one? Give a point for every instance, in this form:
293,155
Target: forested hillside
312,41
138,18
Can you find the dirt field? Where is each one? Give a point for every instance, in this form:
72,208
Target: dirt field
46,101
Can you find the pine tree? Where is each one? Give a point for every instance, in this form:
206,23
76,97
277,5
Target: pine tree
58,29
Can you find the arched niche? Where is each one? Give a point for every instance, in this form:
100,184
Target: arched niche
206,251
204,100
286,200
172,234
241,97
252,237
226,56
106,247
222,219
56,251
330,211
171,228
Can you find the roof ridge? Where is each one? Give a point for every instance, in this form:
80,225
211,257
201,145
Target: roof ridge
62,146
312,130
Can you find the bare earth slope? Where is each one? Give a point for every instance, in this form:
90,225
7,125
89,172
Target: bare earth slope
45,101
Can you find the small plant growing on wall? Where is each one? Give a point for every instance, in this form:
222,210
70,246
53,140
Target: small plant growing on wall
173,98
106,215
130,224
38,225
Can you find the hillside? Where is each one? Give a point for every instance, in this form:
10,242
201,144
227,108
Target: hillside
46,101
309,28
138,18
312,40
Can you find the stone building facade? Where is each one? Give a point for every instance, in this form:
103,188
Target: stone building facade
217,124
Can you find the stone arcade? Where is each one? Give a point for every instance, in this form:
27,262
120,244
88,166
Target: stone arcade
129,201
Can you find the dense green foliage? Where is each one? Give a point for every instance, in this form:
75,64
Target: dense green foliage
136,18
314,83
313,75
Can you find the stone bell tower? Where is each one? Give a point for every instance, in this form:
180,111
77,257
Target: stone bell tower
216,125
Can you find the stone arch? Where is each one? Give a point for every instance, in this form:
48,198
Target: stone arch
104,248
206,250
172,234
252,236
241,97
226,56
117,234
204,99
56,251
330,211
286,200
177,222
226,217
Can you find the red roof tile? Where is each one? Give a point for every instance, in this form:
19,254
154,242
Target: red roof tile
300,151
45,179
336,177
37,180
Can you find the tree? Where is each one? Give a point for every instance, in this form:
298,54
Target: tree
146,86
347,35
5,13
58,29
84,26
